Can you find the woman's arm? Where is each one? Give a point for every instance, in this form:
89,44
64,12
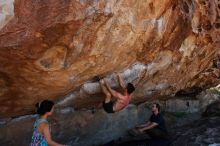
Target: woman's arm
47,136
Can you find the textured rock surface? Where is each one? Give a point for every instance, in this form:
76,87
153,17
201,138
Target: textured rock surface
6,12
50,48
76,128
199,133
91,127
95,127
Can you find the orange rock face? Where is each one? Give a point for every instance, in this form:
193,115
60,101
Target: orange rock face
49,49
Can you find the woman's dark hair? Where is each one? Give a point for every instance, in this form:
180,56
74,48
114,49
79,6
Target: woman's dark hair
157,106
44,106
130,88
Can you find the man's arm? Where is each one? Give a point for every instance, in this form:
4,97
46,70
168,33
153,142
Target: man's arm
144,125
113,92
150,126
121,80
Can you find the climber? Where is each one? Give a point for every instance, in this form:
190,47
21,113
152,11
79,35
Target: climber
122,99
41,134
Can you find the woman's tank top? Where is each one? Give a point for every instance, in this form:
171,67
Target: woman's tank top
38,139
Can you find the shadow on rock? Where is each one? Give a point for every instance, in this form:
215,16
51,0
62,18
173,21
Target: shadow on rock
150,142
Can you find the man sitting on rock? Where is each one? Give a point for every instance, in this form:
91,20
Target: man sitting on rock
155,127
122,99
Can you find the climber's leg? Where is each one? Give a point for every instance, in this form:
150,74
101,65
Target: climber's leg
107,104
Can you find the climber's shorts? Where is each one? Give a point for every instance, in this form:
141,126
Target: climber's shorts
108,107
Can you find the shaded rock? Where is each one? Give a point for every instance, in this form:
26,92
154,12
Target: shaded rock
206,98
76,128
90,127
201,132
212,110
